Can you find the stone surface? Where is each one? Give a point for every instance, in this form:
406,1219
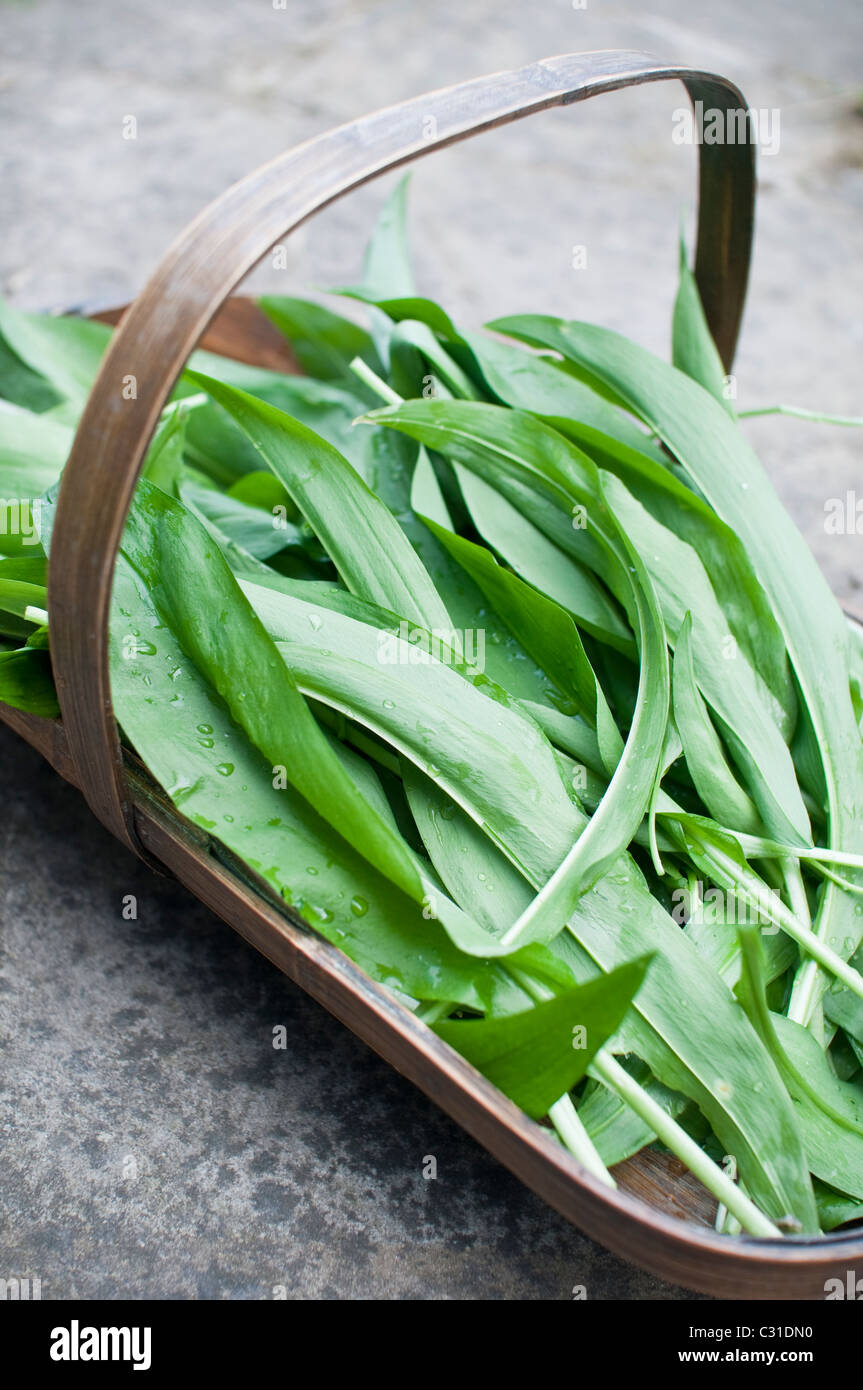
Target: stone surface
154,1142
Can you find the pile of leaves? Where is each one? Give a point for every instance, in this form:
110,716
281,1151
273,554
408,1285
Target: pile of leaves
497,658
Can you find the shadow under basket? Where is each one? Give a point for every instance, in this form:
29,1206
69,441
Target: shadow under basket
660,1217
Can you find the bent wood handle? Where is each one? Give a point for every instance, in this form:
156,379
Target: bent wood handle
211,257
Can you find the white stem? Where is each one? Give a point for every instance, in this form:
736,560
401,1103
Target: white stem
434,1010
563,1114
750,890
570,1127
371,379
608,1070
797,1007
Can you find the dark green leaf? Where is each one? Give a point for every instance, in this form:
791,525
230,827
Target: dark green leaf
537,1056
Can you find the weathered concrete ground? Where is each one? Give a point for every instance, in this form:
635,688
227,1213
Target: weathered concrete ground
154,1143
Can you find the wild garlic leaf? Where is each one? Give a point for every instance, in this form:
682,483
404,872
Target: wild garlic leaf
693,350
325,342
740,700
64,350
416,695
177,559
543,564
182,730
387,272
678,508
26,683
536,469
33,450
366,544
530,382
714,779
715,457
543,627
532,1056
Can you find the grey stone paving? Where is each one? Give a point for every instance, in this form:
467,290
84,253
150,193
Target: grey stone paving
154,1143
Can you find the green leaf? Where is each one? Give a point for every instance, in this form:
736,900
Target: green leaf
717,460
648,476
26,683
484,882
413,334
17,595
537,1056
204,606
829,1111
201,602
740,699
427,498
844,1008
219,781
218,446
30,569
749,616
66,351
256,532
631,789
533,383
261,489
714,780
534,467
539,561
402,307
473,869
21,386
366,544
22,586
410,689
693,350
835,1209
33,449
387,272
164,462
324,342
544,629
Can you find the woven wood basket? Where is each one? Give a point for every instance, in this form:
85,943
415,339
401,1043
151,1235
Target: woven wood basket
660,1217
